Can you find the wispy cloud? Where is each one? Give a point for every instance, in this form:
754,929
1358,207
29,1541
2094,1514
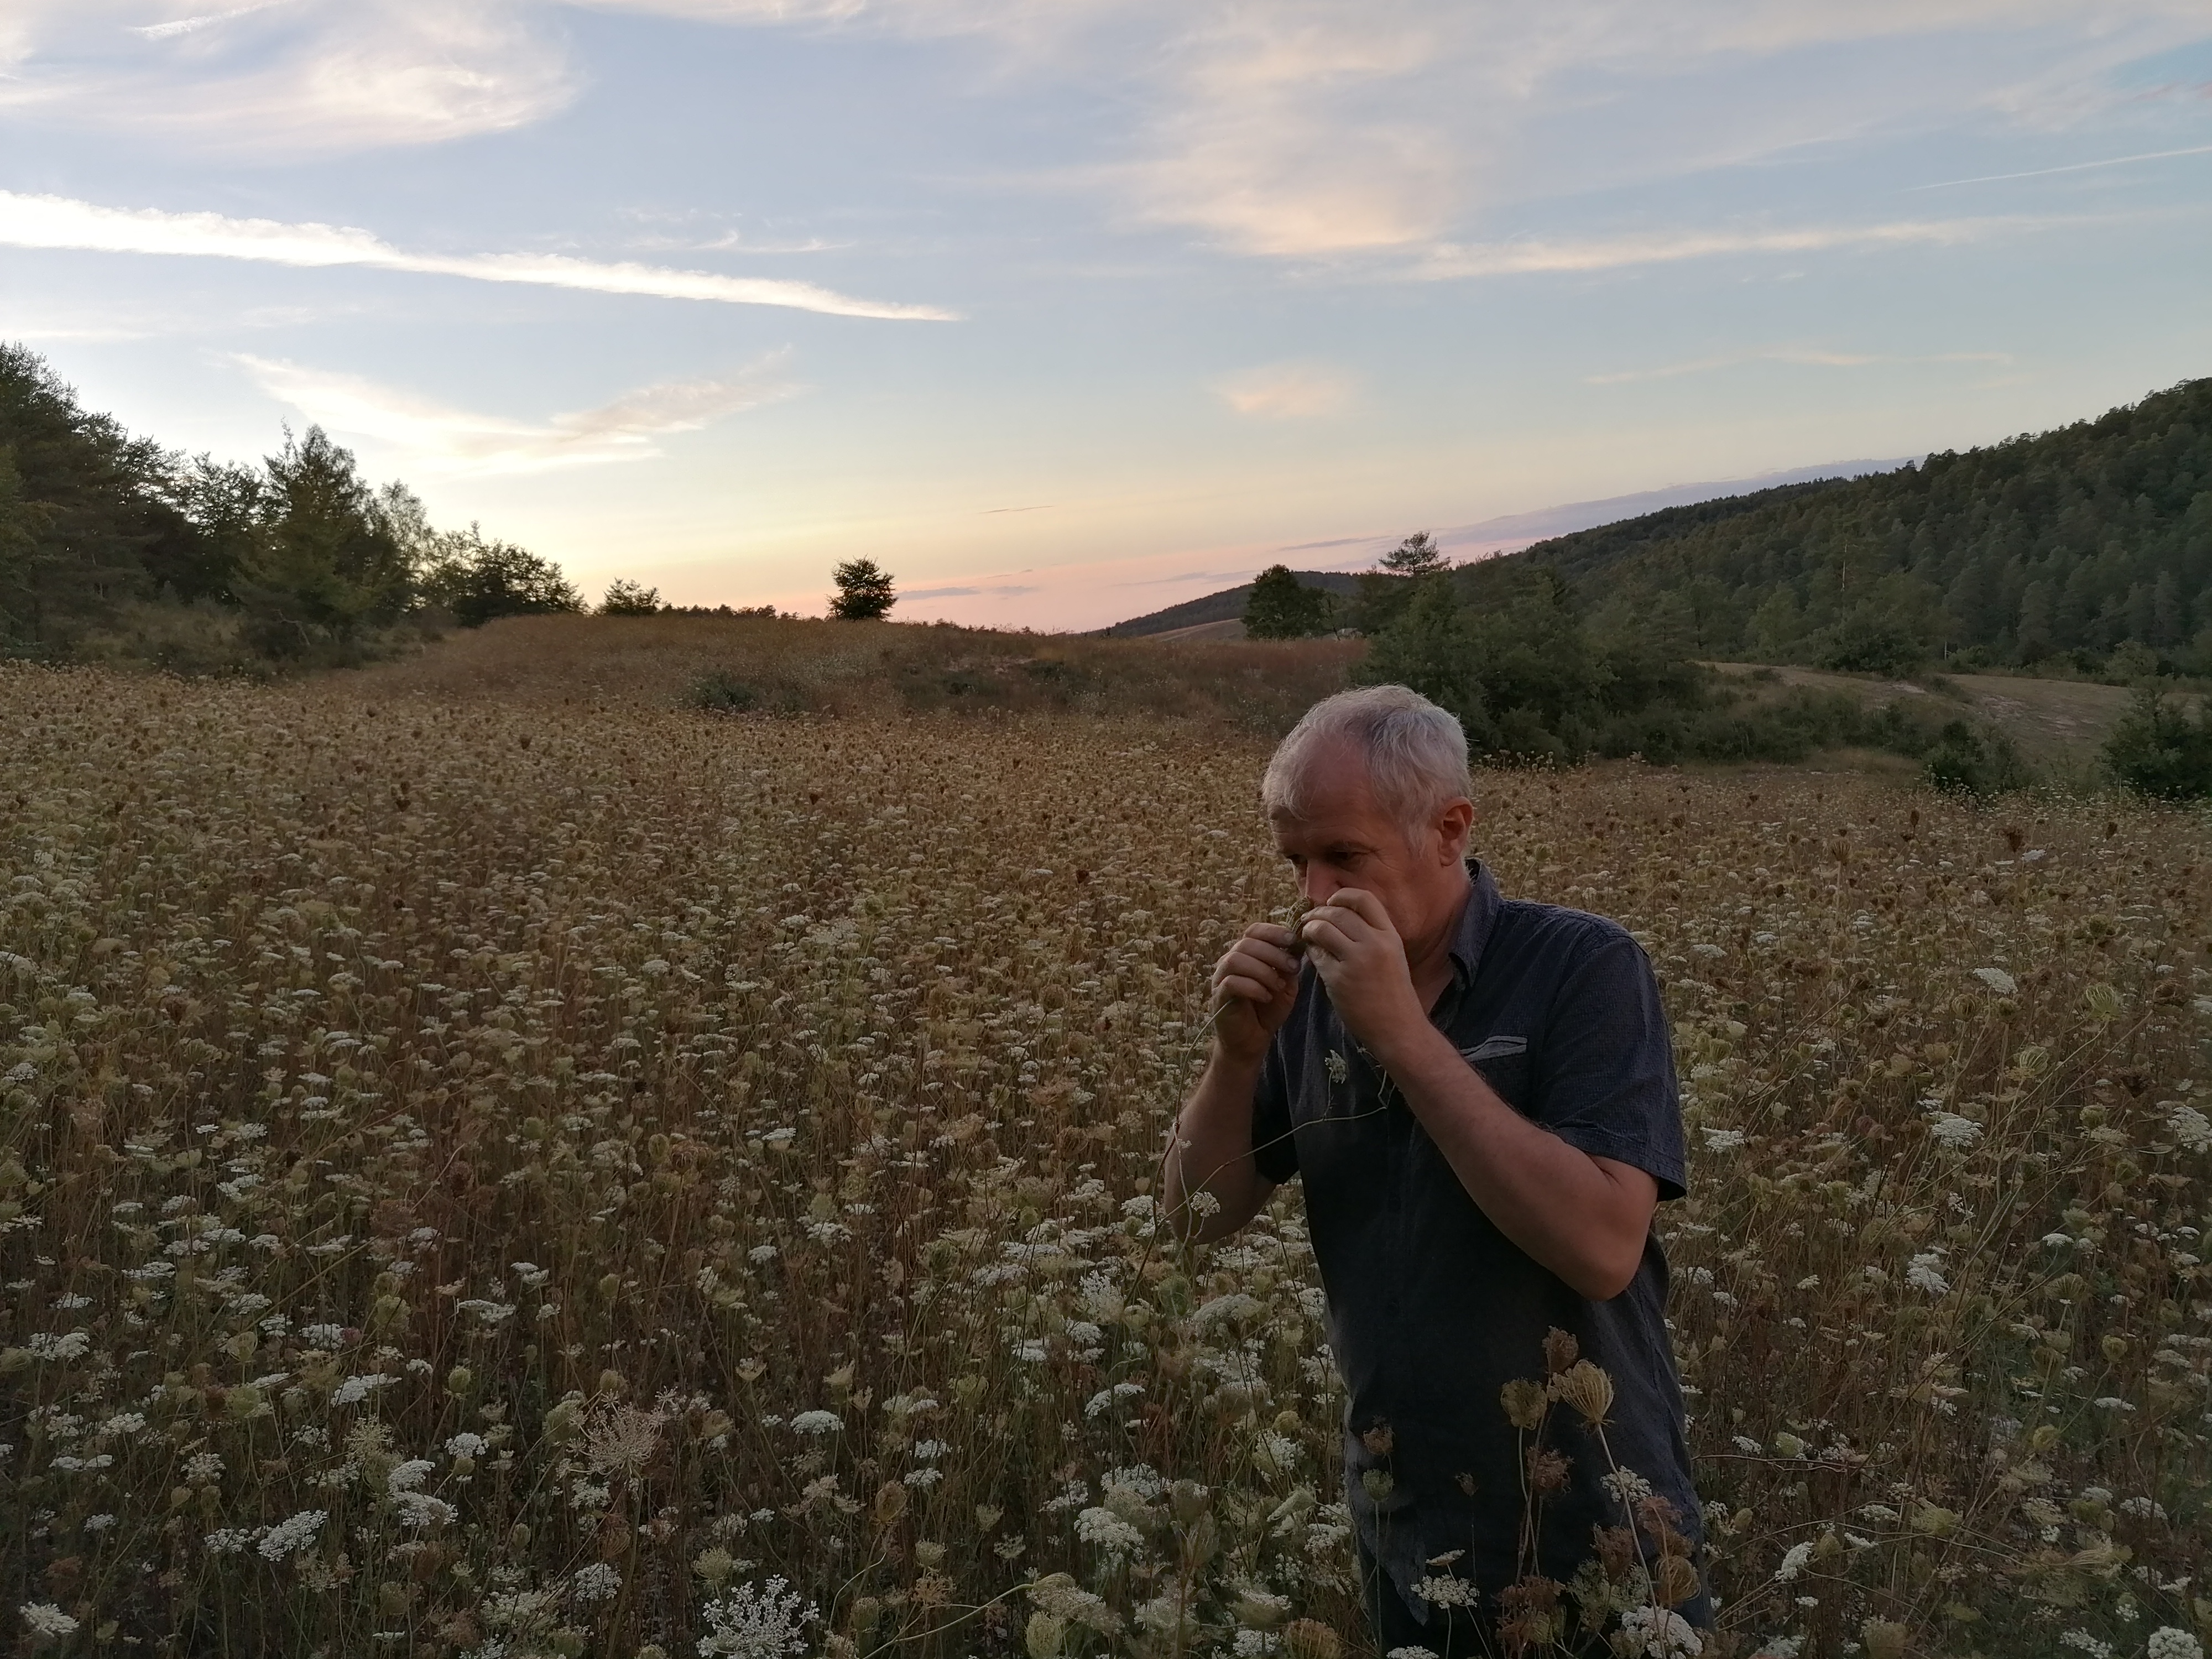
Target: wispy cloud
1806,357
1001,591
56,221
285,77
1534,255
1287,391
2071,166
444,439
193,25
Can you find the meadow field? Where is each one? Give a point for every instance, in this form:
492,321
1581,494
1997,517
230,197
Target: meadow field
488,1171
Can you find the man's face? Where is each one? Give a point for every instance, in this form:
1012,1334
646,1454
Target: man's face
1348,840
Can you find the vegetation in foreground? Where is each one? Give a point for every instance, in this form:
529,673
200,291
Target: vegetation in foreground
496,1179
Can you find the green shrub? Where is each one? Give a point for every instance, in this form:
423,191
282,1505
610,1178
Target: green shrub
2161,750
1967,762
1281,607
1868,643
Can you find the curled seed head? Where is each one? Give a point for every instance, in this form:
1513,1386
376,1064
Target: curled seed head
1586,1387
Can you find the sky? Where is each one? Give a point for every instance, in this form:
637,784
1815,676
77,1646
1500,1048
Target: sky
1064,311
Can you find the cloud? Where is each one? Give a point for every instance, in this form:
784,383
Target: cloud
2075,167
56,221
1287,391
1530,255
287,77
1003,590
454,441
1802,356
193,25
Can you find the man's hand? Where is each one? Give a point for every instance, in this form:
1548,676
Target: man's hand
1362,961
1255,985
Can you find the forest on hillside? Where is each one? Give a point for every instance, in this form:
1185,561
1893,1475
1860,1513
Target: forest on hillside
2060,550
113,546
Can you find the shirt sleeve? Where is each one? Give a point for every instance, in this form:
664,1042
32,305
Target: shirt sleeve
1274,1148
1606,1082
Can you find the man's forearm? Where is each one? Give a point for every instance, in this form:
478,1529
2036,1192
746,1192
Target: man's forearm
1209,1185
1572,1212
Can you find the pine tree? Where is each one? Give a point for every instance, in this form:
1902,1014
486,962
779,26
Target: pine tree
628,598
1417,556
864,592
326,561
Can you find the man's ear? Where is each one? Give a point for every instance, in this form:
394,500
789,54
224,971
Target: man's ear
1452,826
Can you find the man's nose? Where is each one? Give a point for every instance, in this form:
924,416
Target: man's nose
1318,886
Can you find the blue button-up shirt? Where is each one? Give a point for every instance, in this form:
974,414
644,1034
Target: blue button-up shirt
1432,1309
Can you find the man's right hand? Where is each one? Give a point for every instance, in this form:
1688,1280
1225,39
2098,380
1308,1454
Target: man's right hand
1256,984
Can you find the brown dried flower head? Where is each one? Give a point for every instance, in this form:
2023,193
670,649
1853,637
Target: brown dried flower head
1586,1387
1524,1401
1560,1350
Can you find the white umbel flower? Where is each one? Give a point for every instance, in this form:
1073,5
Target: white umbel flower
765,1621
45,1619
289,1537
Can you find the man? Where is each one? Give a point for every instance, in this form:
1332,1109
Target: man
1480,1094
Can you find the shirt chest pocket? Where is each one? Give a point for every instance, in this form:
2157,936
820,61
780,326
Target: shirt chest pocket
1504,1062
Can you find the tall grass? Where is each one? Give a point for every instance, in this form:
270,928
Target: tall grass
493,1178
738,664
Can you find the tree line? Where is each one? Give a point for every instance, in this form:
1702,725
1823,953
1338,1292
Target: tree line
113,542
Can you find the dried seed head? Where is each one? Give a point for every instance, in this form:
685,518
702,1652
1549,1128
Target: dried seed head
1675,1581
1309,1639
1043,1636
1586,1387
1524,1402
1560,1350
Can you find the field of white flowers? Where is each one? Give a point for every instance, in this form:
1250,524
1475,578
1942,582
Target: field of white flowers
502,1182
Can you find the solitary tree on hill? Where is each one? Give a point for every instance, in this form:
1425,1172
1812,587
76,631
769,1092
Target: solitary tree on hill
864,591
1282,607
630,599
1417,556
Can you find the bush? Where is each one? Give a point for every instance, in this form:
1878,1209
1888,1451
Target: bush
2160,751
477,580
1967,762
1431,649
1862,643
1282,607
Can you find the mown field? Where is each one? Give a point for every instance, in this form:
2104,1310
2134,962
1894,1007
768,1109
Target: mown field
487,1176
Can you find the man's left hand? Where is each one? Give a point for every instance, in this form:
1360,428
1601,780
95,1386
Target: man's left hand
1362,962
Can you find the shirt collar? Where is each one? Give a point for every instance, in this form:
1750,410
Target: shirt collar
1476,918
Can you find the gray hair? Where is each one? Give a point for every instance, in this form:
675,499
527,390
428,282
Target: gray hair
1416,754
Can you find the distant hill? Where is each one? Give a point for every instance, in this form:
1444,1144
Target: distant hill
1481,540
1227,606
2067,544
2075,542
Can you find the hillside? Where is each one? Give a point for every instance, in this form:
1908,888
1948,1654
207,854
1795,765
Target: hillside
2061,547
1227,606
2069,544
